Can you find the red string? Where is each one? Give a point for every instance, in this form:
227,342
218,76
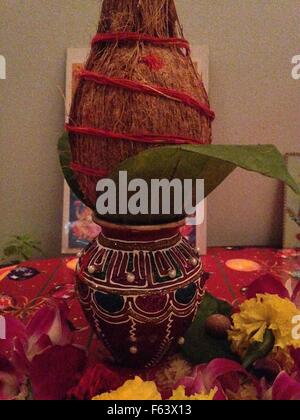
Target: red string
139,87
140,138
77,167
152,90
135,36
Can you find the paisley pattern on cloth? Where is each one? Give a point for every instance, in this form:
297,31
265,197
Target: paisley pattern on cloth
22,273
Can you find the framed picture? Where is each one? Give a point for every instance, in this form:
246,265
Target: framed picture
291,236
78,228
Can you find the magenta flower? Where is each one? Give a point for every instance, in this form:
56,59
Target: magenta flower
9,383
220,374
285,388
54,372
49,327
40,353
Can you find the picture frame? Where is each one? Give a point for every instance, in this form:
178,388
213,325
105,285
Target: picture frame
291,225
77,225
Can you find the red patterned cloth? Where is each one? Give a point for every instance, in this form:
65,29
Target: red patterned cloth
25,288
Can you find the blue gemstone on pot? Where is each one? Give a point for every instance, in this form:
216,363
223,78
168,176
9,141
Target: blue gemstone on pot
111,303
186,295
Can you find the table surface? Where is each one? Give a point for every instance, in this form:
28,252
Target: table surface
29,285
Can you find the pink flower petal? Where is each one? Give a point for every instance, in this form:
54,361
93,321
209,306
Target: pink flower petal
15,329
9,385
95,381
295,353
206,377
267,284
42,321
42,344
285,388
193,384
220,367
54,372
51,321
19,357
296,295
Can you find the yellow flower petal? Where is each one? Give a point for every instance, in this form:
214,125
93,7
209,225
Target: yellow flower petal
262,313
179,395
133,390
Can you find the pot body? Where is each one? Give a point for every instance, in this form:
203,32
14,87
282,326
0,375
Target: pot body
140,288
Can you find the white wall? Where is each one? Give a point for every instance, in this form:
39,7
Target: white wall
255,98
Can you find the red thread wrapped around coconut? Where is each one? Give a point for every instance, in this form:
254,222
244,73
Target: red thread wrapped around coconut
126,102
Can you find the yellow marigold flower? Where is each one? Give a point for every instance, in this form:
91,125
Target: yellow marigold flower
176,369
180,395
260,314
134,390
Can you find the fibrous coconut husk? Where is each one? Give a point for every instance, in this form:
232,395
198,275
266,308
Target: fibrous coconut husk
124,111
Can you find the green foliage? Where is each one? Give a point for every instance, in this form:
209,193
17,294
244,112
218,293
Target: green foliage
213,163
20,248
200,346
65,158
258,350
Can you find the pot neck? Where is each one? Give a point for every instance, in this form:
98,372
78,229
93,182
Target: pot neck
129,233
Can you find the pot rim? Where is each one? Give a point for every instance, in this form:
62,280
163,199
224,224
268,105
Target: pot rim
138,228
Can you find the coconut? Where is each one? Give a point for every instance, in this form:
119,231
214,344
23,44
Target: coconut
158,106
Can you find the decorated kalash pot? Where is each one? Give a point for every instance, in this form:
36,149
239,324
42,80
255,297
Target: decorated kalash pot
140,283
140,288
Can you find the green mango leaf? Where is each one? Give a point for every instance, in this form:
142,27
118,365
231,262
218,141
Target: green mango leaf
213,163
65,159
258,350
201,347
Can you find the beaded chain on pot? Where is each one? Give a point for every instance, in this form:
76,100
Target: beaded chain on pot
135,86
